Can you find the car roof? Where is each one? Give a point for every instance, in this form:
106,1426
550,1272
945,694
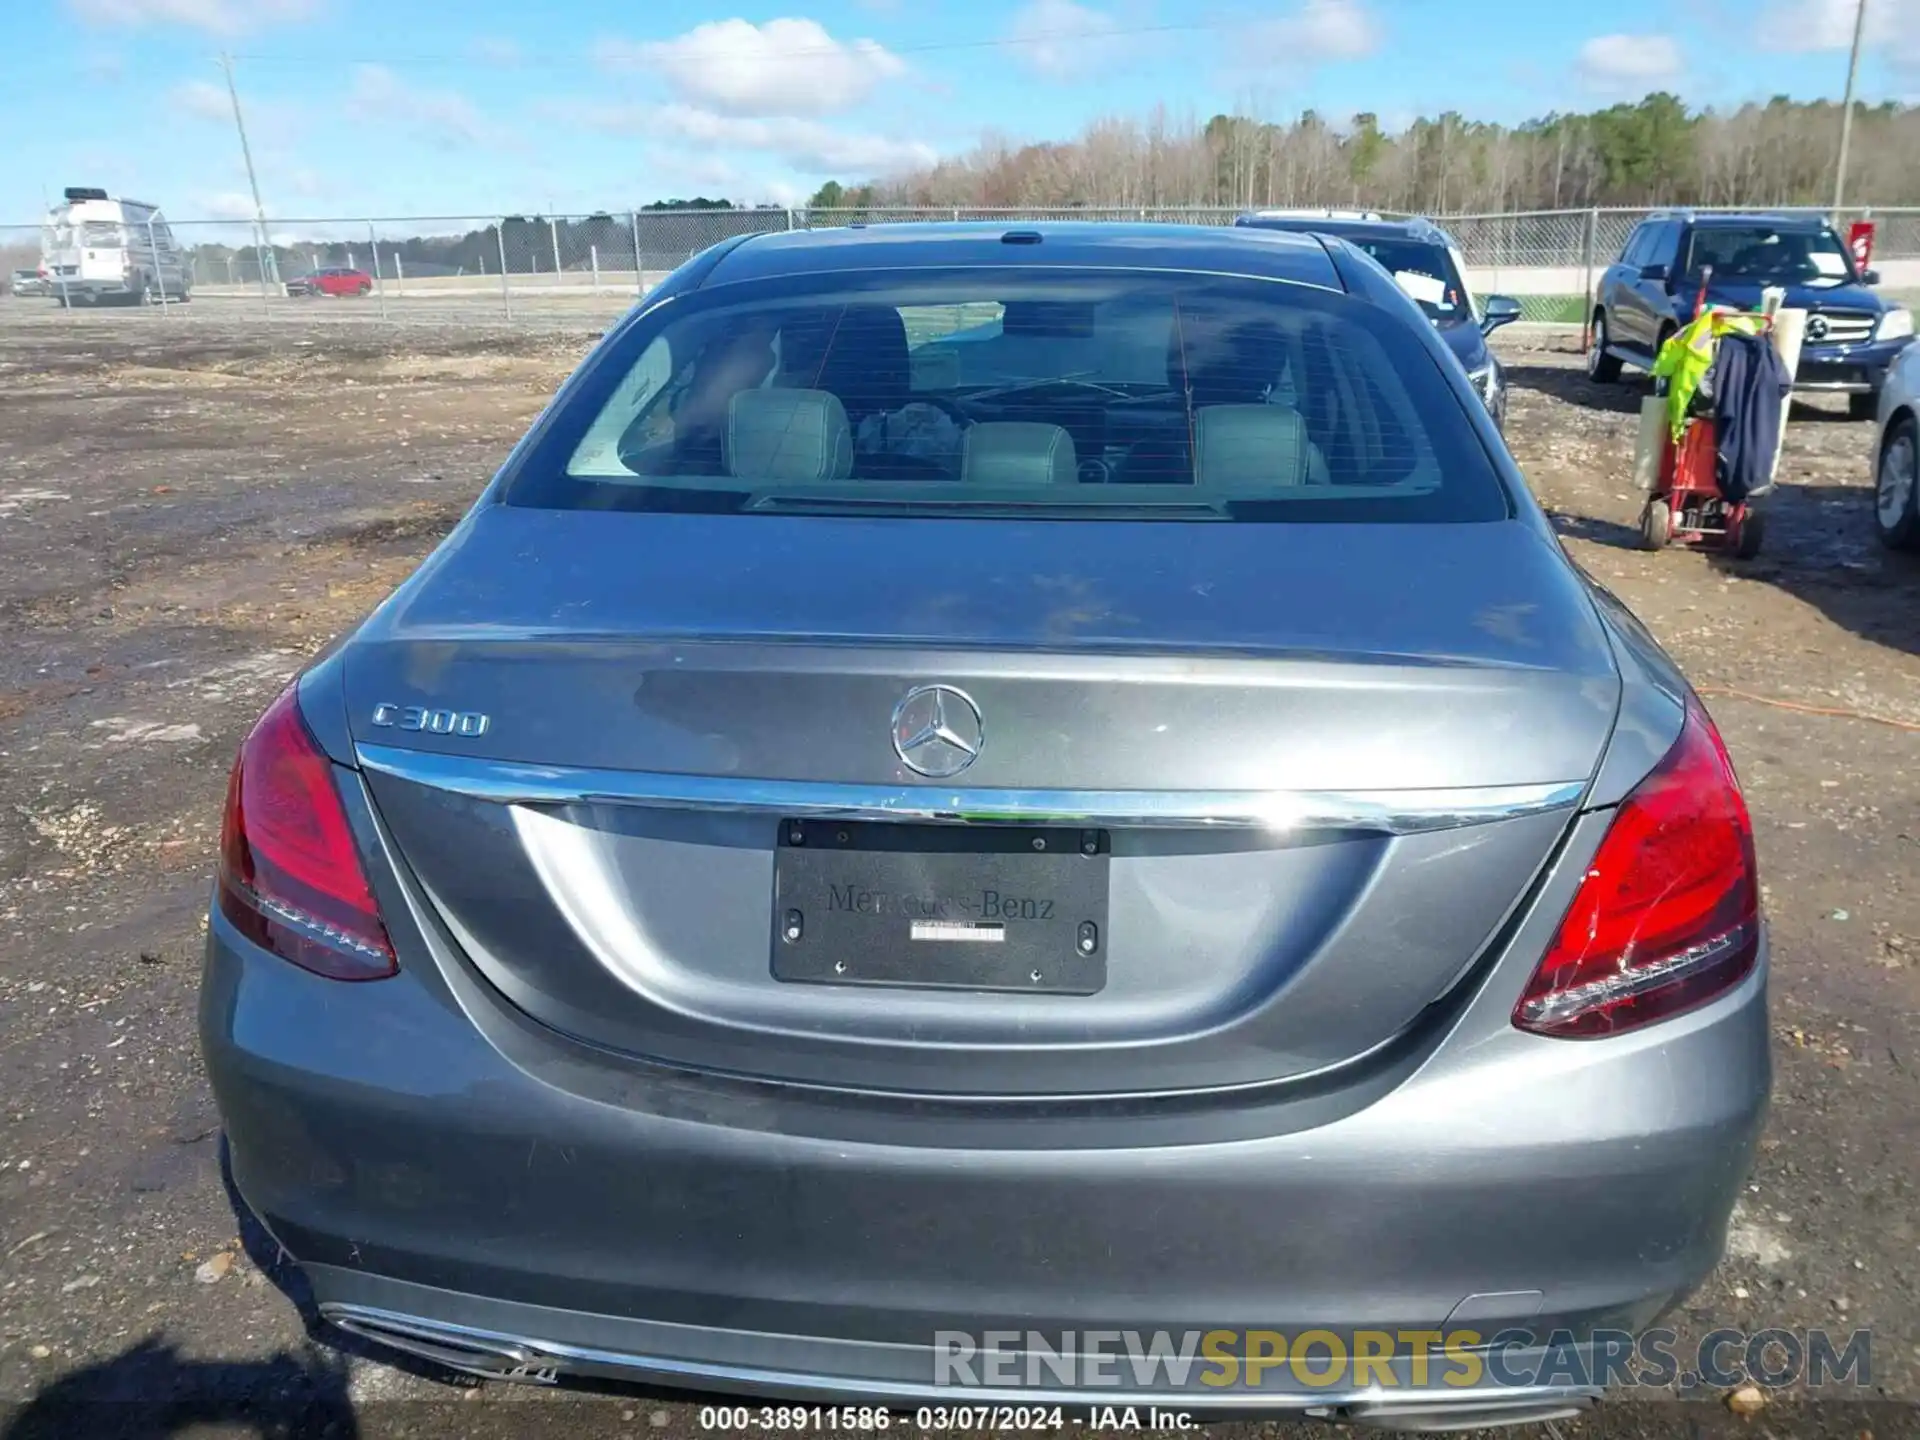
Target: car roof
1713,219
1075,244
1347,227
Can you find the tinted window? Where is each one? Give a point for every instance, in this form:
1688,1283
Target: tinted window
1663,242
1637,245
1425,271
1760,252
1100,394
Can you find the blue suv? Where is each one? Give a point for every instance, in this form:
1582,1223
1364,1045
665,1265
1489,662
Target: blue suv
1426,262
1853,335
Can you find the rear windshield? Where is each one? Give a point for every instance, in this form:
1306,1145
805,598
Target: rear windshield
100,232
1089,395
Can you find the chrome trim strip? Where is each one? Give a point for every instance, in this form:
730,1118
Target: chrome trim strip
1371,1405
1391,812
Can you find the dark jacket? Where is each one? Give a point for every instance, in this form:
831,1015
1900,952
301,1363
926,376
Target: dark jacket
1749,383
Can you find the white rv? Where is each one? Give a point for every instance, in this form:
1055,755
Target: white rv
96,250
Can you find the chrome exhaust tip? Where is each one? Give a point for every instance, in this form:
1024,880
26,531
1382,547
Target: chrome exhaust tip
1428,1419
453,1347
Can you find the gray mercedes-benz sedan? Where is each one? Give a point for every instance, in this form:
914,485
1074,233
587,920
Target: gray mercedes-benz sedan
988,815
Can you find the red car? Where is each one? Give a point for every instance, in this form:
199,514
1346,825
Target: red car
336,281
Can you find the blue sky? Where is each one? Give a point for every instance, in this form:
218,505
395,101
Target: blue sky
432,107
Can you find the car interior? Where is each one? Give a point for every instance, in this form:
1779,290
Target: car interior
1036,393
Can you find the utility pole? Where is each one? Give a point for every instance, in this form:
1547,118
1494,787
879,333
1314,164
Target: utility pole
1846,113
253,184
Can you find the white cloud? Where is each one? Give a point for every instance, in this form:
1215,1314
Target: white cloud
1798,26
1803,26
201,99
1629,64
808,146
444,117
695,171
221,205
216,17
1317,32
784,67
1064,40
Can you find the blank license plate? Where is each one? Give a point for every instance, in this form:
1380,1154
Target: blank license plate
941,906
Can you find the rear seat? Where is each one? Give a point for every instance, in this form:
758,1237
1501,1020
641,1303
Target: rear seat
1017,452
1248,449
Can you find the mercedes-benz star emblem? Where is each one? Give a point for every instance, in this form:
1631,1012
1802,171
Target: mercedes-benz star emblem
1816,327
936,730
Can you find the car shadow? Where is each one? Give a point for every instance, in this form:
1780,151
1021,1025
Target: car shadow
150,1391
1821,548
1600,532
1571,385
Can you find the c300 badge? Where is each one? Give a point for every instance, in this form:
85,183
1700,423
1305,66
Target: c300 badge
467,724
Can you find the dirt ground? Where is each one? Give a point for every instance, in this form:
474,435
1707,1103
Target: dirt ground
188,511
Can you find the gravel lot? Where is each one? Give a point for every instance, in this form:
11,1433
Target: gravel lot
189,507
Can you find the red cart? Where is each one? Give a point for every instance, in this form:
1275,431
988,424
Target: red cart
1686,505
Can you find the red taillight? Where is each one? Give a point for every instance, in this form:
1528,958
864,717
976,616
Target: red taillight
290,874
1668,915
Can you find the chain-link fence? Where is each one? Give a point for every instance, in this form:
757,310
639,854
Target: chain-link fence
588,268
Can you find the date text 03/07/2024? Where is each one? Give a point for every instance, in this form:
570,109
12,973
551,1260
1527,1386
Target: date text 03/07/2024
935,1419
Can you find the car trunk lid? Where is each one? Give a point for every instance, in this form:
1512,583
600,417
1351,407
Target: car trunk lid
1317,766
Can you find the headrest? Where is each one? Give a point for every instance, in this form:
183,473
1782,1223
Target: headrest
859,352
787,435
1017,452
1253,448
1225,364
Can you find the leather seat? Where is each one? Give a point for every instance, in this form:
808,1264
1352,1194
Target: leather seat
1018,452
859,353
775,435
1212,363
1254,449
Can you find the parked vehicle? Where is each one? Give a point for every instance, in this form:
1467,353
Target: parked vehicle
97,250
1852,334
28,282
807,864
1896,509
1427,263
339,280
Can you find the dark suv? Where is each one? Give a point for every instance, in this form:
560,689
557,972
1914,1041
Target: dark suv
1649,292
1426,262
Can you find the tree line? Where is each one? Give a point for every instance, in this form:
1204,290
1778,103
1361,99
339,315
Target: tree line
1653,152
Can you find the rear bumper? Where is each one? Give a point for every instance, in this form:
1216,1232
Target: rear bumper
675,1229
517,1342
73,286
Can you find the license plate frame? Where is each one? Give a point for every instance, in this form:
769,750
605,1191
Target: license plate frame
1000,908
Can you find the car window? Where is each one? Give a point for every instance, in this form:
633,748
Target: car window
1636,245
1425,270
1809,256
1663,244
1097,394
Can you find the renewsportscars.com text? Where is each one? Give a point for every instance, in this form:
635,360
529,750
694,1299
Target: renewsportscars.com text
1321,1359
